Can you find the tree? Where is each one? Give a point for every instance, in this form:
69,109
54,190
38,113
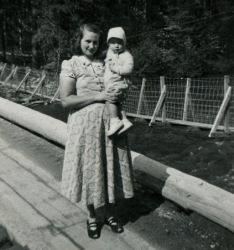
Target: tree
173,37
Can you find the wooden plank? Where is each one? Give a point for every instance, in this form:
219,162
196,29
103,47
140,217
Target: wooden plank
10,75
37,87
221,111
186,99
15,71
162,84
28,71
138,116
14,74
220,134
3,71
159,105
40,95
139,107
55,97
180,122
227,113
35,214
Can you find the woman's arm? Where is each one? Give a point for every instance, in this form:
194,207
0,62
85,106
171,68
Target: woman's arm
70,100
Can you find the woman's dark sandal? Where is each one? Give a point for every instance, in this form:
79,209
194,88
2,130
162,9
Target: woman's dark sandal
114,225
93,230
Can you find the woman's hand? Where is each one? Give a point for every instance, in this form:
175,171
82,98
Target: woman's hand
108,96
104,96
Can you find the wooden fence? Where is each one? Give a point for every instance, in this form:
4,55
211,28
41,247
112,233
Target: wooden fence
201,102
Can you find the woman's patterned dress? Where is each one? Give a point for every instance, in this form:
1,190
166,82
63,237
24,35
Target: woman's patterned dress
97,169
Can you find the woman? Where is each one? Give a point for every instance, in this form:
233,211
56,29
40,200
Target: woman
96,170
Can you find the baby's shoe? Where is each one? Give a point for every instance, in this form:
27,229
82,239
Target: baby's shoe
127,125
115,125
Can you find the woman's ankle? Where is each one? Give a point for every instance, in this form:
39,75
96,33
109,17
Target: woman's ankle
92,219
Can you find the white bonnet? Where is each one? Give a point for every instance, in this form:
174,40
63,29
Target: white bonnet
117,32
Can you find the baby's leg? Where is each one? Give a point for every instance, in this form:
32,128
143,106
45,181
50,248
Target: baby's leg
115,123
127,124
123,113
112,109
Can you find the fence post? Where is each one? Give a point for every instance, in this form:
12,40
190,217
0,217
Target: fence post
13,71
14,74
186,99
221,112
3,70
56,95
28,70
39,85
159,105
227,113
162,84
141,97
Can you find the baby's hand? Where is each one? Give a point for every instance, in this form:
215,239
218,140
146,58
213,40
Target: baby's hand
114,68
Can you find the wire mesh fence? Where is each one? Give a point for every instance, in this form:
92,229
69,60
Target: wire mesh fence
196,100
175,97
204,99
29,80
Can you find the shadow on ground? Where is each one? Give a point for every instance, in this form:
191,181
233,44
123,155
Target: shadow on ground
7,243
142,204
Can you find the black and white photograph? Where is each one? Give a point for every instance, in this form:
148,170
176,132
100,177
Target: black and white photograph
116,125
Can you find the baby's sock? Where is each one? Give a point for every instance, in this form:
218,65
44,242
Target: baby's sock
115,125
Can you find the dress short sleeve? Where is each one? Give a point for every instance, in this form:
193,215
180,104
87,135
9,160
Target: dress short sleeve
67,69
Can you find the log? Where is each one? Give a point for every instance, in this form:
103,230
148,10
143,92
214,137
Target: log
35,121
187,191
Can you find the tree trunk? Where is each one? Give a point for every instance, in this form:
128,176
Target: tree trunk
3,35
33,36
34,52
152,8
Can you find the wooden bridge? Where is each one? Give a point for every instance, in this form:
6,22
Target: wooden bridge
29,195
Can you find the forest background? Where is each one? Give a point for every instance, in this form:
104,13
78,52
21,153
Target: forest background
179,38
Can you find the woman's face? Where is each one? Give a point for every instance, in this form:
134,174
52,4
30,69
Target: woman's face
89,43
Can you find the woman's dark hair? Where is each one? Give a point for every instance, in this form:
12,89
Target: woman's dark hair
79,35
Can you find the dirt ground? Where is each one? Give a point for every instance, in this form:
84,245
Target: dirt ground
187,149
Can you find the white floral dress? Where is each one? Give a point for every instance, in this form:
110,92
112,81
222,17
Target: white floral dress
97,170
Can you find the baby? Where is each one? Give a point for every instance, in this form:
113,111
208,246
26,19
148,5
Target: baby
118,67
